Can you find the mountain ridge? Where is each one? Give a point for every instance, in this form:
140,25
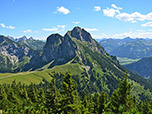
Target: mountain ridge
94,69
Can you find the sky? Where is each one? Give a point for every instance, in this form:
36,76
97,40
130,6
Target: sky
102,18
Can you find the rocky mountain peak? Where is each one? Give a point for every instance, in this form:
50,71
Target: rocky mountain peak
54,38
81,34
58,48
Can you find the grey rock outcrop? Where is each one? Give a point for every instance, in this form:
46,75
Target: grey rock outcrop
58,48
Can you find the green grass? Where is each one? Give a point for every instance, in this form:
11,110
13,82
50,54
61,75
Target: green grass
125,60
38,76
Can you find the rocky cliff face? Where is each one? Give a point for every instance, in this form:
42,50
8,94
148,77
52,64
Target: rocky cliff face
58,48
11,54
84,36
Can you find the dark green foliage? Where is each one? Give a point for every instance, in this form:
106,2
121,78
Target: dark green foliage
41,99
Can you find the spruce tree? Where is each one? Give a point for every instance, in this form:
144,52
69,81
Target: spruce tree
70,101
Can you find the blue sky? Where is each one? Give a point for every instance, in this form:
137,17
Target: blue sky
102,18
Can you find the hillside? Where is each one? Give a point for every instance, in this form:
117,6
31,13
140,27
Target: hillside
142,67
92,67
13,56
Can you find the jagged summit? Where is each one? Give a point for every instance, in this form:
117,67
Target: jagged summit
58,48
54,38
81,34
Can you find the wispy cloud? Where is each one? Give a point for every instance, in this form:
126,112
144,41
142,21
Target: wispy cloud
91,29
3,25
76,22
8,27
62,27
114,11
114,6
27,31
50,29
97,8
59,28
62,10
148,24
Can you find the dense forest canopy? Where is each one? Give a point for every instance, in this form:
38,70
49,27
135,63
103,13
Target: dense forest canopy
49,98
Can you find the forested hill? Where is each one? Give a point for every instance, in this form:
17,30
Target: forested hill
42,99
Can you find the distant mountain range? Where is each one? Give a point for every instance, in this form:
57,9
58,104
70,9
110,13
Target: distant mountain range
93,68
142,67
127,47
29,42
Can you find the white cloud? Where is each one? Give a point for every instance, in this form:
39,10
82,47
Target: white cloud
76,22
114,6
52,29
59,28
27,31
62,26
97,8
148,24
2,24
136,16
62,10
132,17
110,12
10,27
91,29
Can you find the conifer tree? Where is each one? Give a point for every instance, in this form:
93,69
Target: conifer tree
121,99
70,102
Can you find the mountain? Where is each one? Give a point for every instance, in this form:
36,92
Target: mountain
92,67
142,67
111,44
128,48
134,50
12,55
31,43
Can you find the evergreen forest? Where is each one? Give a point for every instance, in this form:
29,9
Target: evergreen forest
62,97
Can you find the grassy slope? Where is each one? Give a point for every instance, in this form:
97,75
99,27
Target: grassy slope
125,60
37,76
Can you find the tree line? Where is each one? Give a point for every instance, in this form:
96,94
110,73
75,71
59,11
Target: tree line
47,98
